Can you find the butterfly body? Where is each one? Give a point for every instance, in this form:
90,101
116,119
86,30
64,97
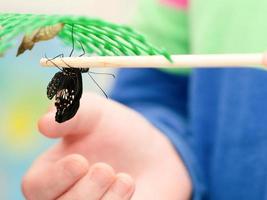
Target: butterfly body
67,87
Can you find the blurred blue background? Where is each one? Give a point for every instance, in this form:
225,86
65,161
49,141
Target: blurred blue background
23,100
23,88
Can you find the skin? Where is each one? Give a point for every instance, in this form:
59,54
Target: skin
106,152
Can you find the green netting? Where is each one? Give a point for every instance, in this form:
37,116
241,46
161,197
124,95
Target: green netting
96,36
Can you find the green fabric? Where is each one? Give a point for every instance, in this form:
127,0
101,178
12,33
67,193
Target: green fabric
210,26
165,27
228,26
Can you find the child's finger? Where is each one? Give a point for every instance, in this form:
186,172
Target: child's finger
87,117
45,181
94,185
121,189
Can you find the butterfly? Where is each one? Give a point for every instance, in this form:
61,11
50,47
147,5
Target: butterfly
67,87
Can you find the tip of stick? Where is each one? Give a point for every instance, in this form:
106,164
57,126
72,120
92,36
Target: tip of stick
43,61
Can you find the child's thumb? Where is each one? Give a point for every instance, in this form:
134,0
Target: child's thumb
86,119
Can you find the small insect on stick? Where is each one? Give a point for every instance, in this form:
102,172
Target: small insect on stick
256,60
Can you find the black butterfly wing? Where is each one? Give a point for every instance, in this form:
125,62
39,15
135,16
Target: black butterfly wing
63,115
68,97
54,85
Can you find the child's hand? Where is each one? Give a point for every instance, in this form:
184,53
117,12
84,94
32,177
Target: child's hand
104,131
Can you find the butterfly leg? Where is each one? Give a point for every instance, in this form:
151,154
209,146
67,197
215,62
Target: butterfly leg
82,49
50,60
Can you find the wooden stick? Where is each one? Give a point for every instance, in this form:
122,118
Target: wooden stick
179,61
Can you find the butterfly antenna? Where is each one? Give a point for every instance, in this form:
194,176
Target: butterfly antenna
98,85
50,60
60,55
72,39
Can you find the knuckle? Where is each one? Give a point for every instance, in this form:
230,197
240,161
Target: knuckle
126,177
74,167
109,171
104,171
